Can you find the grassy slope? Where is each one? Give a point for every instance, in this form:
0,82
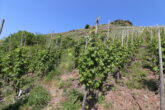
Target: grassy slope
102,29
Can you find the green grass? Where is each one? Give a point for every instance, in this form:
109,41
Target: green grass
38,98
73,101
67,62
65,66
106,104
136,74
65,84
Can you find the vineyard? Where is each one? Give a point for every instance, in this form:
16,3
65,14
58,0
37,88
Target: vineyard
116,68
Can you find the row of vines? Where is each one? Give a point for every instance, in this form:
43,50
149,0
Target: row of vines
102,58
152,59
26,57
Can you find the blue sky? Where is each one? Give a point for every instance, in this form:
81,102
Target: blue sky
46,16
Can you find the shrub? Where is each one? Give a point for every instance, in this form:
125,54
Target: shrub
122,22
15,66
87,26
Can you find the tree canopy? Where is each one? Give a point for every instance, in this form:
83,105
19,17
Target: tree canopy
122,22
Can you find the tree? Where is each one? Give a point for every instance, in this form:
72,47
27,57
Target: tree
87,26
122,22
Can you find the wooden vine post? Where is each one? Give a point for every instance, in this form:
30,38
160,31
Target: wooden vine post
84,99
1,26
21,39
25,41
86,41
51,37
151,34
97,24
86,91
162,107
108,29
132,35
127,37
113,37
122,38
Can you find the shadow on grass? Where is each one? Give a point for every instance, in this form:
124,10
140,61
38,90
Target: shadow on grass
93,96
151,84
16,105
92,100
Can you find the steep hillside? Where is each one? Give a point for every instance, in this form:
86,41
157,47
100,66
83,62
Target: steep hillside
115,69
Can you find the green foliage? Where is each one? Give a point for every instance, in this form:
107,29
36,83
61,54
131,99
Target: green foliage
22,37
45,61
101,99
67,61
42,56
73,101
14,40
99,59
152,59
87,26
137,81
38,98
93,65
18,105
15,66
68,43
138,74
122,22
107,105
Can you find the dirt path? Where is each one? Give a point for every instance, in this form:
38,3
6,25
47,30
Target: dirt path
57,92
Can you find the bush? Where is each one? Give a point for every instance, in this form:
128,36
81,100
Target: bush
87,26
14,68
38,98
122,22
